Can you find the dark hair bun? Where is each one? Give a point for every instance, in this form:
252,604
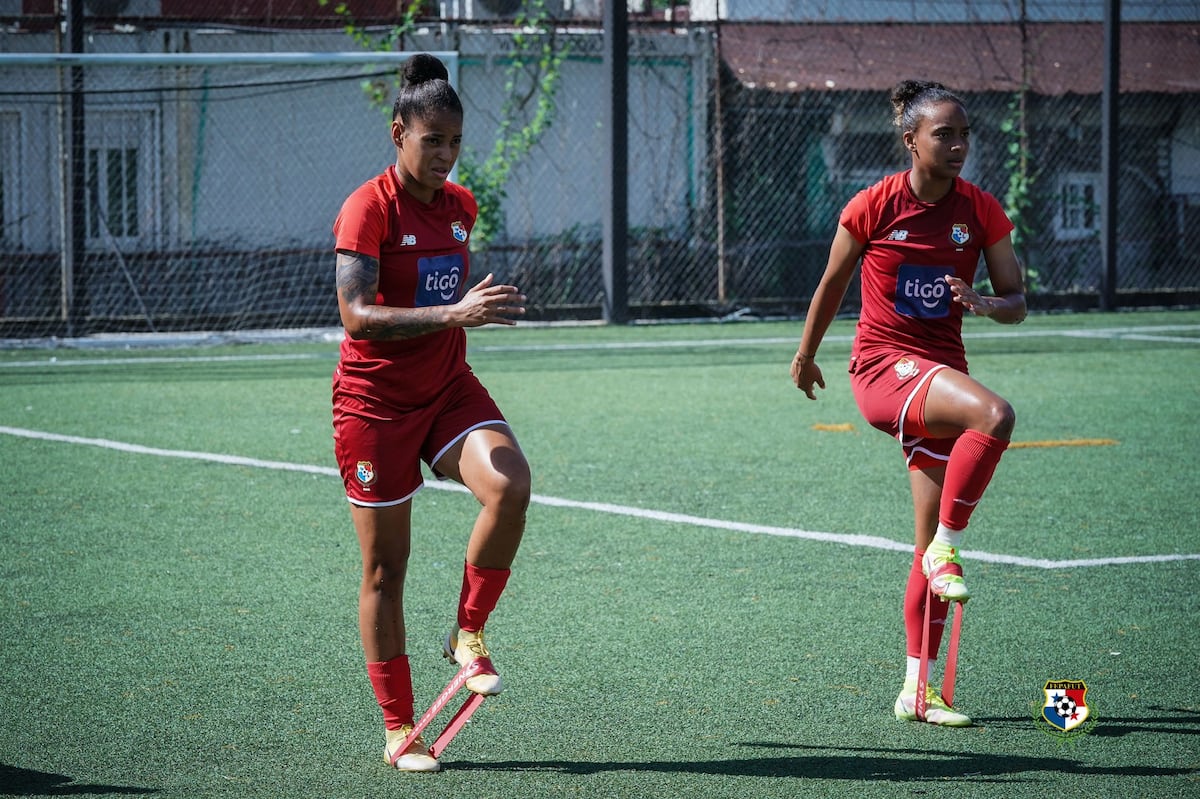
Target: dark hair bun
910,95
424,67
426,90
908,90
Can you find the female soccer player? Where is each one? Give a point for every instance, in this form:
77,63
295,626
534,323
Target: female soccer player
403,392
919,235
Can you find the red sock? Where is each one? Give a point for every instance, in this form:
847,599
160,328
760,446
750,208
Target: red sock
914,612
972,462
392,682
481,589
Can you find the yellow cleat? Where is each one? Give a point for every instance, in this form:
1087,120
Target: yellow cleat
464,647
415,758
943,567
936,710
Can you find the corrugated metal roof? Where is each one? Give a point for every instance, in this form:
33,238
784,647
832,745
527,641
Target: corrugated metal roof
1064,58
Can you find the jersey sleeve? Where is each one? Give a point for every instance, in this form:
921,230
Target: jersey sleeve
996,224
856,216
467,200
362,223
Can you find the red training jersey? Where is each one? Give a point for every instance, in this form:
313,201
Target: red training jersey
423,261
910,246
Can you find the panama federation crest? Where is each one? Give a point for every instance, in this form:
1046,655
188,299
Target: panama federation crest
1066,707
459,230
906,368
960,234
364,472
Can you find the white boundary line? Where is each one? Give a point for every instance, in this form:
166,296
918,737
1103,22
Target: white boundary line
853,540
56,362
53,361
1143,333
1135,333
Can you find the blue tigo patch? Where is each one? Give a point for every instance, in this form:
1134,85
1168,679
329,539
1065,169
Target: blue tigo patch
439,280
921,291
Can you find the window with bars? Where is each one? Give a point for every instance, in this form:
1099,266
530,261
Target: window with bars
112,192
9,214
119,177
1078,213
3,205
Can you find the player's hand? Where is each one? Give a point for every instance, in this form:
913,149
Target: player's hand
806,374
969,298
488,304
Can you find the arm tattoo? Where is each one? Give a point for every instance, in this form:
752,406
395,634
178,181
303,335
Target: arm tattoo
357,278
358,287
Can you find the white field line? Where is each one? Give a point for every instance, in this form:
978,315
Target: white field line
1145,333
853,540
1141,333
54,361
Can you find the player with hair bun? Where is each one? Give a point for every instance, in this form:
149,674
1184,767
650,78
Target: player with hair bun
919,235
403,393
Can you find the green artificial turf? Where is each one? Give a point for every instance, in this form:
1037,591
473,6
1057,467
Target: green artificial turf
176,625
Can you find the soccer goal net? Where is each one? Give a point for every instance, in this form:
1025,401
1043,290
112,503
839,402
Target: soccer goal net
152,192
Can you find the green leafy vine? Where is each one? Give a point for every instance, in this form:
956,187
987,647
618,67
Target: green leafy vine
378,91
1018,193
531,83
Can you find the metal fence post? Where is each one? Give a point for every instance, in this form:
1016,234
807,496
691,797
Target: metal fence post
1110,164
616,209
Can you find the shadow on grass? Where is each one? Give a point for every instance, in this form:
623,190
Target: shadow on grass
1184,721
850,763
27,782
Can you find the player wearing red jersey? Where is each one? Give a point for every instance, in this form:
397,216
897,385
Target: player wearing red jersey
919,236
403,393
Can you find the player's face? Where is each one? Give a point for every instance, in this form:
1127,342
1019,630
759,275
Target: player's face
940,143
426,150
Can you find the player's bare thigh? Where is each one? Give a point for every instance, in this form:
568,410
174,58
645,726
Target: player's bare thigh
956,402
484,457
488,461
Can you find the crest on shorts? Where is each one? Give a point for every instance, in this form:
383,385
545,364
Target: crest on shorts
960,234
364,472
906,368
459,230
1066,706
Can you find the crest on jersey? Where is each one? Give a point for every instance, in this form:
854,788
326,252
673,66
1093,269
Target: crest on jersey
364,472
960,234
459,230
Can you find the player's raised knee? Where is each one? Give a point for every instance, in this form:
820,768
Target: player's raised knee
1002,419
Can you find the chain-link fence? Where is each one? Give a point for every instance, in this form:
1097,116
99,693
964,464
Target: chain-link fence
807,120
208,188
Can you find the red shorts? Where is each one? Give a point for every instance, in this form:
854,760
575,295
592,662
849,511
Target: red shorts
380,458
890,388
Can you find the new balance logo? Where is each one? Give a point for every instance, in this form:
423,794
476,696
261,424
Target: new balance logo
897,235
408,240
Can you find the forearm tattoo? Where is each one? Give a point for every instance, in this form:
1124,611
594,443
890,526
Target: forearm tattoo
358,287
